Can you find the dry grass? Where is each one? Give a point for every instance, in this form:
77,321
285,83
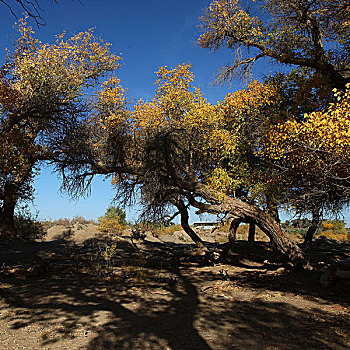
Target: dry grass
66,222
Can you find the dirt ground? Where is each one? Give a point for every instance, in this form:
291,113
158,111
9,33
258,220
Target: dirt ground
79,290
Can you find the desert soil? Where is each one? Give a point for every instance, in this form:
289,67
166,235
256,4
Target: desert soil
70,292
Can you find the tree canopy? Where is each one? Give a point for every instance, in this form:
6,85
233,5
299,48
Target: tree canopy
314,152
176,151
312,36
305,33
44,89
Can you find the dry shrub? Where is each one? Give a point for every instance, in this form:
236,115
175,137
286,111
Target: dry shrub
243,229
225,227
66,222
166,230
157,229
330,234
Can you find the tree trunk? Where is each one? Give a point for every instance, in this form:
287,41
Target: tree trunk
272,209
315,223
7,226
16,187
7,229
187,228
249,213
231,238
251,234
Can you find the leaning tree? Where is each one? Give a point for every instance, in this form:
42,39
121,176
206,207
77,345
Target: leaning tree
178,150
174,151
310,35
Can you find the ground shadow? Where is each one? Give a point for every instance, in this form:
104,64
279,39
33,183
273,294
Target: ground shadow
148,314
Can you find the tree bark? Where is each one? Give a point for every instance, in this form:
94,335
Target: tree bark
16,187
248,213
7,227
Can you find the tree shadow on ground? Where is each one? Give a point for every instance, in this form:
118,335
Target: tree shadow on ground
171,309
138,317
130,316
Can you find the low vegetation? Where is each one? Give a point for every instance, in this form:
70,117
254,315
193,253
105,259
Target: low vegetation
331,229
334,229
27,226
114,221
79,221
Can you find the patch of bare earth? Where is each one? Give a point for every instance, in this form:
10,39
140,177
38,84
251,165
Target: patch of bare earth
62,293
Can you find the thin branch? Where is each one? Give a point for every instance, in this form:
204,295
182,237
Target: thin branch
32,9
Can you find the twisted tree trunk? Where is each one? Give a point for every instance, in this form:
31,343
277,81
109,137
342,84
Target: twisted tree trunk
249,213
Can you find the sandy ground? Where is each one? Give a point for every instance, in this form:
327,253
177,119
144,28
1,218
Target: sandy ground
65,293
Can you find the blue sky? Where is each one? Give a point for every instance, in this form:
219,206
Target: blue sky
147,34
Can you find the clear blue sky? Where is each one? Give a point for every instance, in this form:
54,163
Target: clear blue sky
147,34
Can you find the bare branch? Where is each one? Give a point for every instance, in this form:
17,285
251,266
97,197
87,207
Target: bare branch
240,68
31,8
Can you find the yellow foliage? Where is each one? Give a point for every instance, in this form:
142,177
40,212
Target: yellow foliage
209,134
109,225
177,107
327,225
109,252
65,68
43,86
227,16
320,137
221,181
247,102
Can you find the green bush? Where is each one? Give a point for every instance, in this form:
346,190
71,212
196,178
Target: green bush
116,213
113,221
